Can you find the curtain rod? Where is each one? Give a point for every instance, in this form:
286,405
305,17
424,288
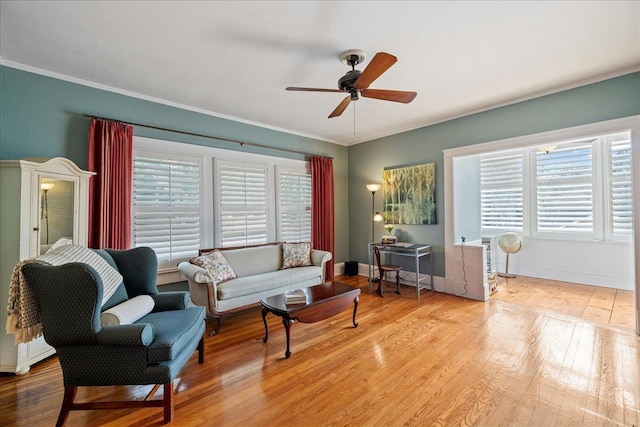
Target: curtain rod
236,141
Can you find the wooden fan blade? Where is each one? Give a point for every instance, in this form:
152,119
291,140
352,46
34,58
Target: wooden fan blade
389,95
378,65
313,89
341,107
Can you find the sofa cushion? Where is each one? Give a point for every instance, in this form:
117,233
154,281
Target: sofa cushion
266,281
257,260
173,330
296,255
216,264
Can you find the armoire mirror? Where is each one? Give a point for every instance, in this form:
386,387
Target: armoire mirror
56,219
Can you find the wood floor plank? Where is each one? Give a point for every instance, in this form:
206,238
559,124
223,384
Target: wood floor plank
610,306
443,360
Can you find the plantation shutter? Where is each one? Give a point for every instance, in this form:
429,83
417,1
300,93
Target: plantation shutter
294,222
166,204
565,189
501,193
243,204
620,185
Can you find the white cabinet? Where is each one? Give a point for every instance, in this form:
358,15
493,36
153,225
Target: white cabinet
473,278
41,202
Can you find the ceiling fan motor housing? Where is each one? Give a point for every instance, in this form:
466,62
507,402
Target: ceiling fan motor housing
347,81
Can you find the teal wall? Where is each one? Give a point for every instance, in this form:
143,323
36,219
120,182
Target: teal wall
609,99
42,117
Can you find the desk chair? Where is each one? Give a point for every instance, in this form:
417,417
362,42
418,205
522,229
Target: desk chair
382,269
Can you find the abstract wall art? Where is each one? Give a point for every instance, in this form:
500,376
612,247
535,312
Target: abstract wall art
409,194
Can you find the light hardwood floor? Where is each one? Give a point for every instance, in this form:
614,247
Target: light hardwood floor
597,304
441,361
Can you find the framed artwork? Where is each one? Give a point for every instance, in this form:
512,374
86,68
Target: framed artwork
409,195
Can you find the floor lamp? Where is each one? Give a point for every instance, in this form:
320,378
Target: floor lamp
375,216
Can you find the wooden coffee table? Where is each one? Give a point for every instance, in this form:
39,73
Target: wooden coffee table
323,301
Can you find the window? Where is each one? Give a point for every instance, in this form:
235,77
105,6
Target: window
501,192
166,204
580,189
294,204
187,197
564,190
621,198
243,203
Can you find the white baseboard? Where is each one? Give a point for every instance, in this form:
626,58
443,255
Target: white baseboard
338,269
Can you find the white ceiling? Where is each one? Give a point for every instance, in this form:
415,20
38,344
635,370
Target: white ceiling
234,59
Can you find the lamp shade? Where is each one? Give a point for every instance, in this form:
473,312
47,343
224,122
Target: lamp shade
377,217
373,187
46,186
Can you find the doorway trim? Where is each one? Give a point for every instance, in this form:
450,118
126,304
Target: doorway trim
631,123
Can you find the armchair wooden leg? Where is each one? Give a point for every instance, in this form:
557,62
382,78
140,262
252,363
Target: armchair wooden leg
67,402
168,402
201,350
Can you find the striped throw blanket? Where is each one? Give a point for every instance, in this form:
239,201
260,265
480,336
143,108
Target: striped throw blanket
23,316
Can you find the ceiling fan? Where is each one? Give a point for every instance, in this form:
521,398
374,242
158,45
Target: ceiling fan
356,82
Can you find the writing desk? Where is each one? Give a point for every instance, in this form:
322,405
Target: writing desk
414,250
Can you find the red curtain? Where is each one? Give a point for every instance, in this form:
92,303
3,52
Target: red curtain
322,212
111,157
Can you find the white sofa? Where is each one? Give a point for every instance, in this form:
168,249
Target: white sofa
259,275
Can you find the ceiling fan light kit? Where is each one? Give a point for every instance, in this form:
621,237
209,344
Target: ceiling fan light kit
356,82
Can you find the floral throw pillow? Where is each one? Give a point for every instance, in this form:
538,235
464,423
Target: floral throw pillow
296,255
215,263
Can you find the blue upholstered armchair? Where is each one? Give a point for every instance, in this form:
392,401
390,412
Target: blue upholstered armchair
152,350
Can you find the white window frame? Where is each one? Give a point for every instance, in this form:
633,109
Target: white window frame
209,235
219,164
595,195
502,186
279,209
600,184
162,211
610,234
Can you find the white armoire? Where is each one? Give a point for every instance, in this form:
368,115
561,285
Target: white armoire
42,201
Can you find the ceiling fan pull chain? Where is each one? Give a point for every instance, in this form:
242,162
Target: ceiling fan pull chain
354,118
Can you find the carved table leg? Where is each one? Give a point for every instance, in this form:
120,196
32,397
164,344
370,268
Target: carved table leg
355,308
266,327
287,326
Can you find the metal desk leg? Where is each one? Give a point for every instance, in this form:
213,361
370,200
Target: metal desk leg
431,271
418,274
